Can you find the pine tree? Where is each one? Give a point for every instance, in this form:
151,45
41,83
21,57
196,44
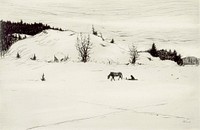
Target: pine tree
178,60
43,78
18,56
19,37
153,51
175,53
112,41
34,57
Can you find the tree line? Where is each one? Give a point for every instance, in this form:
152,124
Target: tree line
165,54
8,29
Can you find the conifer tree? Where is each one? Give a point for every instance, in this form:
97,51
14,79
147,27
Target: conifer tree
43,78
112,41
153,51
18,56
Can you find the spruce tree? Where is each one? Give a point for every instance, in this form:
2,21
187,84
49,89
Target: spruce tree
34,57
43,78
112,41
18,56
153,51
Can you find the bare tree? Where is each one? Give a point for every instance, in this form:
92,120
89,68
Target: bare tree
133,54
84,47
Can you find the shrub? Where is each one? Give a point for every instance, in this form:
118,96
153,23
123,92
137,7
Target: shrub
33,58
133,54
66,58
84,47
56,59
93,31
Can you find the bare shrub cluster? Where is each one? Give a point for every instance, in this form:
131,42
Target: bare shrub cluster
84,47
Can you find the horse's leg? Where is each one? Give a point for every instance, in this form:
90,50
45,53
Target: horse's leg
113,77
120,77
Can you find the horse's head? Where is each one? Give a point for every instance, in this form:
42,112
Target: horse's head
108,76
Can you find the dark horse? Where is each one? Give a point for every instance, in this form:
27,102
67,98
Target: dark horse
115,74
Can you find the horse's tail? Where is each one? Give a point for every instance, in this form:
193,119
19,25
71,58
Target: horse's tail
120,75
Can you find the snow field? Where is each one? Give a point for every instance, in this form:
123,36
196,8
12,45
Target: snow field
79,96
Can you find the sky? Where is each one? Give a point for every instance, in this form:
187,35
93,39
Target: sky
126,11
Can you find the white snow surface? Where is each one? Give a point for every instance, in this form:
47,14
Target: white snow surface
78,96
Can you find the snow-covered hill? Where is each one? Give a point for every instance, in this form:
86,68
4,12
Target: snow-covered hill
50,43
61,44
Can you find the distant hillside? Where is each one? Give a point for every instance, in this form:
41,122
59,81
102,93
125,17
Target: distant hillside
8,29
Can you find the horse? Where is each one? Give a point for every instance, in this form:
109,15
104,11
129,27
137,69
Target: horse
115,74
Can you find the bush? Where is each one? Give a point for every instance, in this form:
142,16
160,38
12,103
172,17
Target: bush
56,59
96,33
93,31
84,47
33,58
133,54
66,58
